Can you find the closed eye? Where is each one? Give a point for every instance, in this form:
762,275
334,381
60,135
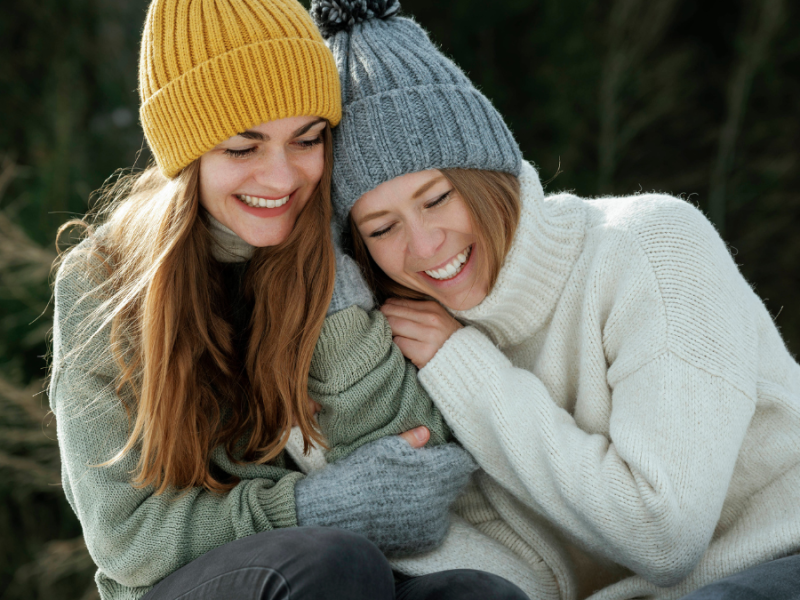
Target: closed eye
310,143
381,232
240,153
440,200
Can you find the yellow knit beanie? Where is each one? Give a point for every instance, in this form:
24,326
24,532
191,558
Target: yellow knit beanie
209,69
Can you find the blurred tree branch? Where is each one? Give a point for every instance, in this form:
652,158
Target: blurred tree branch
635,28
752,51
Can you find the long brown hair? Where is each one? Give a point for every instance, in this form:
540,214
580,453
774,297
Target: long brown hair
492,200
185,389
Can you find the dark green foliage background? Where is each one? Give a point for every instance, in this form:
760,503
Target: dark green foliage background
69,118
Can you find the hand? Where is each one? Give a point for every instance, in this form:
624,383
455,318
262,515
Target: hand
419,328
397,496
313,409
417,437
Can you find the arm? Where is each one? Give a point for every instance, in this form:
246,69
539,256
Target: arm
665,398
135,537
365,386
647,494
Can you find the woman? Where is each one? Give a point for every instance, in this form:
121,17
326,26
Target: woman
185,344
603,360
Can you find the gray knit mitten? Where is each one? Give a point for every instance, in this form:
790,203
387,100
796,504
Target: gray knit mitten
395,495
349,287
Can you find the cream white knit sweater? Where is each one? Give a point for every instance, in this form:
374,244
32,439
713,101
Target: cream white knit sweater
624,383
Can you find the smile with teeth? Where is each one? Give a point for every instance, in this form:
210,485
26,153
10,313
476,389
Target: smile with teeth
257,202
451,269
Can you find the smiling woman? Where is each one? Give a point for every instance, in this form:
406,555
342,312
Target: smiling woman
632,406
194,324
257,182
439,234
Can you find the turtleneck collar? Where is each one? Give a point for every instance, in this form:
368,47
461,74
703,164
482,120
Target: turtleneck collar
546,246
229,247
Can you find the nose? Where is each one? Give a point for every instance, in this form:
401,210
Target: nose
424,239
275,173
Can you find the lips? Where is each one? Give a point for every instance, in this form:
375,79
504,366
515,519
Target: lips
452,268
257,202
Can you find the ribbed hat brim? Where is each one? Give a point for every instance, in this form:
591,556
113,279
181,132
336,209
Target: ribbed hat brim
413,129
252,84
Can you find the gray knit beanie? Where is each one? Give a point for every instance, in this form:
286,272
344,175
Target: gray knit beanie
406,107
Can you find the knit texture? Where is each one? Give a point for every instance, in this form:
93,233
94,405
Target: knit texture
623,381
400,495
228,247
135,538
407,107
349,288
210,69
354,349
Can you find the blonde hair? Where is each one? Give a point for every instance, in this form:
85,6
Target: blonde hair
492,200
180,379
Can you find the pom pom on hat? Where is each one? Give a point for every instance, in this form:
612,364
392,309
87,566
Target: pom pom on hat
406,106
333,16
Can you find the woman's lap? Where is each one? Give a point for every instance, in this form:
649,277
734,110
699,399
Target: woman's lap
460,584
320,564
298,563
775,580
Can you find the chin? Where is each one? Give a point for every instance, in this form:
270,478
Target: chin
264,239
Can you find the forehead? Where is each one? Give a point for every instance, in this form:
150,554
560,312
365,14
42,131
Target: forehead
395,190
283,128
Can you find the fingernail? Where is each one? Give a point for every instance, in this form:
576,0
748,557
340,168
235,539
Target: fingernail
420,433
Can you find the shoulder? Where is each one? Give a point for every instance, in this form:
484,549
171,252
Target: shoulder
706,303
644,214
81,295
83,267
670,231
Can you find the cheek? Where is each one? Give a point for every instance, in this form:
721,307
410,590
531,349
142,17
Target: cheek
312,166
217,181
390,259
458,219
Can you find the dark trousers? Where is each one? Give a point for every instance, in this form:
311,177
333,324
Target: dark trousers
775,580
317,563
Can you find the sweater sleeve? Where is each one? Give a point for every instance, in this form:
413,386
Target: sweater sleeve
136,538
646,492
365,386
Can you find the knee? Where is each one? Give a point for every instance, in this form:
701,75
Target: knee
337,549
346,561
468,584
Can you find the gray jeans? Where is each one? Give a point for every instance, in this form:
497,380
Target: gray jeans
774,580
318,563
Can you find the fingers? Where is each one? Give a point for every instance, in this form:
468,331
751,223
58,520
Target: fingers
413,330
417,437
419,353
426,313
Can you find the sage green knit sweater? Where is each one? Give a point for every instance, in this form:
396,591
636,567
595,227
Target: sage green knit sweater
137,538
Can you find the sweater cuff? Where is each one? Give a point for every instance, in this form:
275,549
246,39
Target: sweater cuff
278,503
351,344
456,371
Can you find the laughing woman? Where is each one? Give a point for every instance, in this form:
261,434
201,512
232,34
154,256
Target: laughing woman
611,371
186,342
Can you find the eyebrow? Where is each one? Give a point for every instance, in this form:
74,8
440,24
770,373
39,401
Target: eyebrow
372,215
422,189
258,136
426,186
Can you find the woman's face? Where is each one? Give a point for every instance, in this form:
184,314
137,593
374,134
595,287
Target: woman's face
419,231
257,182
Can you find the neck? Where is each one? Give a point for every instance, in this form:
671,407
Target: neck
546,245
228,247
